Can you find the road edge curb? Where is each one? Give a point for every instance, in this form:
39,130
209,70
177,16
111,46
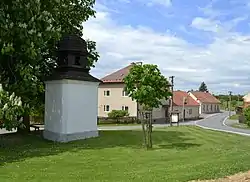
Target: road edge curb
221,130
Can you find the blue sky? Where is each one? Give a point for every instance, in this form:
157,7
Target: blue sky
199,40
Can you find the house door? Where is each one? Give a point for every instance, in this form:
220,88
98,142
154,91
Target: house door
184,114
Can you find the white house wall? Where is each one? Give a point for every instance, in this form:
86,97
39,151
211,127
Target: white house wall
191,112
158,113
247,98
193,97
210,108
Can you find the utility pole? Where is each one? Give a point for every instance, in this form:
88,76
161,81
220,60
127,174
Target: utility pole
183,108
230,99
238,100
172,91
172,97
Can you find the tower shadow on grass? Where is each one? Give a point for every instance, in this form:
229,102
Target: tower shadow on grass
15,147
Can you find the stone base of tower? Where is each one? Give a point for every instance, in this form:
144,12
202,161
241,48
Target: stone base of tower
70,110
61,137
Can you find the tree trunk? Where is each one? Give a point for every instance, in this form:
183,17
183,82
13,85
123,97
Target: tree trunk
150,131
144,133
147,129
149,135
26,122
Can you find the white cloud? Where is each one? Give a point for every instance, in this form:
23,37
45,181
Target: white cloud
221,64
236,85
206,24
165,3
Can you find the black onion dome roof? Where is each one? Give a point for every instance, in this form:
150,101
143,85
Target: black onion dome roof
73,43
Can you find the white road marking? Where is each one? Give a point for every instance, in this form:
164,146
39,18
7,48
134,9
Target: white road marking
224,123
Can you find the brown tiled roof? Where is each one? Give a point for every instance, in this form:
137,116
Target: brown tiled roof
178,99
205,97
118,76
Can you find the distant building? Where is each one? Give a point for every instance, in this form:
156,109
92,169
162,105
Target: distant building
246,100
185,105
208,103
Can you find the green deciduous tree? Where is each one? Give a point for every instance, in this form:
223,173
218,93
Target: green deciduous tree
148,87
246,113
203,87
29,31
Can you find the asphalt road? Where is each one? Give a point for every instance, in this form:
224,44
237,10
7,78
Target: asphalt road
220,122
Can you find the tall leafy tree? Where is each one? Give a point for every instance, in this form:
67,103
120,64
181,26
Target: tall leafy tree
29,31
148,87
203,87
246,113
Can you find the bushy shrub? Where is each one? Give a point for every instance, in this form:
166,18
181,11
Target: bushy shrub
116,114
246,113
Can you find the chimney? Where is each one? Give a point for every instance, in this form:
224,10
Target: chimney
137,63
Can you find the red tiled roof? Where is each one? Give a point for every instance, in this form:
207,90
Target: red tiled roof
117,76
205,97
178,99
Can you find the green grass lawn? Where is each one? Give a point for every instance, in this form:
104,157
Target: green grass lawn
234,117
180,154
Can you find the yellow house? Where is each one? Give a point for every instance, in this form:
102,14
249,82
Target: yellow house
111,96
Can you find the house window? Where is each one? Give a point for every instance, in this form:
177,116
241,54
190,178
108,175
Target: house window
217,107
106,108
106,93
124,93
211,107
190,111
203,107
125,108
207,107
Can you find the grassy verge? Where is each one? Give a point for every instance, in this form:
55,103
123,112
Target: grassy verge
234,117
180,154
240,125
